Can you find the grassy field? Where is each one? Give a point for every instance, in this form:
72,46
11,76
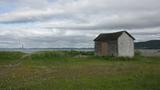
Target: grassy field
77,71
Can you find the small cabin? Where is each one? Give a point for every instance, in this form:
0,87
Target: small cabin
120,44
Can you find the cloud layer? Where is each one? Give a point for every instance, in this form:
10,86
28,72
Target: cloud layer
75,23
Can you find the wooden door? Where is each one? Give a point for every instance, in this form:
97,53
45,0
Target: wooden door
104,49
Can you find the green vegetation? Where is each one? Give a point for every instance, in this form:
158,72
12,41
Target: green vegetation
62,70
10,55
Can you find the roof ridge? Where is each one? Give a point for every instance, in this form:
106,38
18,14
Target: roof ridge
112,36
114,32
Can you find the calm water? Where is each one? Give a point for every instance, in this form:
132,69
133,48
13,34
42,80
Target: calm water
149,52
31,50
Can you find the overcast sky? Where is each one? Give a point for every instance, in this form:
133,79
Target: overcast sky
74,23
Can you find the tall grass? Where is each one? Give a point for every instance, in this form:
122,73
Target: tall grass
72,70
10,55
58,54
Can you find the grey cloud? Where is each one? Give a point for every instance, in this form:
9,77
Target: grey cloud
123,21
59,41
68,39
91,15
75,23
42,41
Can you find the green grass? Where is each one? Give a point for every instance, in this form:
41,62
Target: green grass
73,70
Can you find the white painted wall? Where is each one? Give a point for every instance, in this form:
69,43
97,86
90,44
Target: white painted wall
125,46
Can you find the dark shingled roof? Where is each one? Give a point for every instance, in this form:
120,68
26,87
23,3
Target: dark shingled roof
111,36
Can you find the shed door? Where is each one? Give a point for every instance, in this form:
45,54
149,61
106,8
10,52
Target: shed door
104,48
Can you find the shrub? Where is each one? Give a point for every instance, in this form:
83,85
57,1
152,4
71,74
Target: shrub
59,54
10,55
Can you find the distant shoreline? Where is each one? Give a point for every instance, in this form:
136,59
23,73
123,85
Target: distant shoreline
31,50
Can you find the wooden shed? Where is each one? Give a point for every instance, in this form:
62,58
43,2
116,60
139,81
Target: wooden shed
115,44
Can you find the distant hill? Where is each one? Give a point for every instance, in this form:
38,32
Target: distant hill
153,44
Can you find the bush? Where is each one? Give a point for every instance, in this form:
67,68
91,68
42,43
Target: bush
10,55
138,53
59,54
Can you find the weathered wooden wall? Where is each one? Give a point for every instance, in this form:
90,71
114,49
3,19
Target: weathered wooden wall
106,48
112,48
101,48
